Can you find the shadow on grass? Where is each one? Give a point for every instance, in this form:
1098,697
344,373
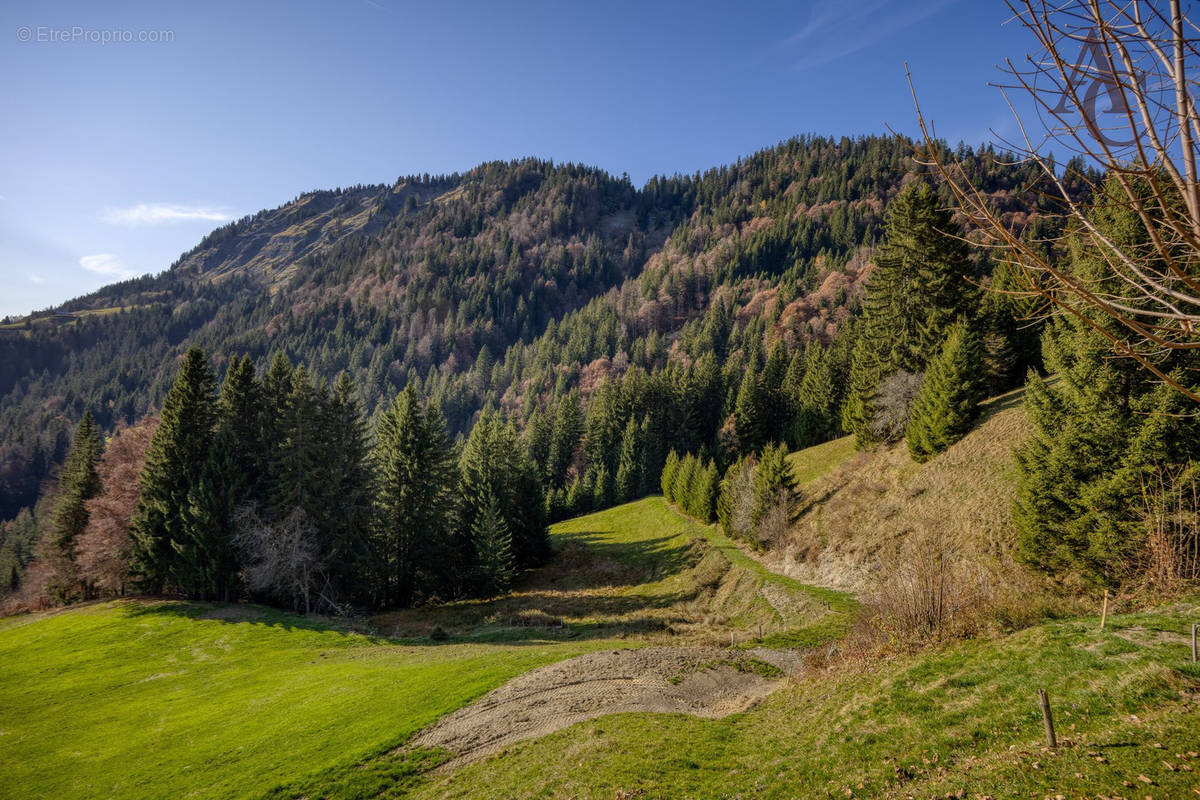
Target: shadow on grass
589,577
238,613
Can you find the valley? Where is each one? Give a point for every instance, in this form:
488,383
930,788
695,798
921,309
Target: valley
610,672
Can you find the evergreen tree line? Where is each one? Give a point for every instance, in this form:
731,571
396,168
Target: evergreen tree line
930,345
1107,483
272,488
691,483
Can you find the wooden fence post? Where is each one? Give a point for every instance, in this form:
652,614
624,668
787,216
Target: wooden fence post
1044,702
1194,627
1104,610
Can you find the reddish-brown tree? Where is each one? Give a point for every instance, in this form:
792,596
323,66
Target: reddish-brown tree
102,550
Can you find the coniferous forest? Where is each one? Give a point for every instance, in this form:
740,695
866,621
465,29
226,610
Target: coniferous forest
396,417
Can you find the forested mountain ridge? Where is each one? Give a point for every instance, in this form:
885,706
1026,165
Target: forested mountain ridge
510,285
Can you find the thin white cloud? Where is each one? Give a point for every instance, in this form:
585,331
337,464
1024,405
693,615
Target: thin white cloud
105,264
161,213
830,36
34,278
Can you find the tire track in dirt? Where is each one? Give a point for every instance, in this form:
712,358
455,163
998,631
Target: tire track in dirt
704,682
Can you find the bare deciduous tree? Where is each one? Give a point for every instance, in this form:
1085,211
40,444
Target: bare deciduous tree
893,402
1113,81
282,558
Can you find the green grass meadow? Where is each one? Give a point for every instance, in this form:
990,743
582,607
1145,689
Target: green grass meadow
151,700
144,699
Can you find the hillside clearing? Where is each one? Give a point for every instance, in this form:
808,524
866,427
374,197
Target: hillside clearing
859,509
638,571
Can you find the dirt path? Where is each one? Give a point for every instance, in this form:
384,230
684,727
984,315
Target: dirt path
705,682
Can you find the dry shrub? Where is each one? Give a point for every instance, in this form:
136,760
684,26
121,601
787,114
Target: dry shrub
927,595
776,521
33,594
1171,500
930,593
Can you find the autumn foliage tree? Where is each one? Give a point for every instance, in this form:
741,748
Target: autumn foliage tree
102,550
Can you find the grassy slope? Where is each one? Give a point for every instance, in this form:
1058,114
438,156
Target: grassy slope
161,700
963,719
151,700
858,509
154,700
640,570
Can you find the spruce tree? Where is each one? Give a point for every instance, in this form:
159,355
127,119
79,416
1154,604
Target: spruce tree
916,291
772,480
493,461
350,491
706,484
565,438
242,409
681,488
650,459
176,457
297,478
816,399
413,535
948,401
667,480
78,482
493,549
205,565
603,488
629,478
1100,429
751,412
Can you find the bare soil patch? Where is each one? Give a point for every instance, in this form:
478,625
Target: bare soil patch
704,682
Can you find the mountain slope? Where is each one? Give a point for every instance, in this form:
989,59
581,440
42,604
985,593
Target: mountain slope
505,285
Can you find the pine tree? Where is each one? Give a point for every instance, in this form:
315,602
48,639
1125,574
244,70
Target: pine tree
948,401
493,549
414,547
78,482
177,455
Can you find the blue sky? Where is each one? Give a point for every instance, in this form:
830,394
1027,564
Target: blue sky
117,157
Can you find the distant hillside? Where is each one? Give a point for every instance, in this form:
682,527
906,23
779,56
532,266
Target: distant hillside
509,285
